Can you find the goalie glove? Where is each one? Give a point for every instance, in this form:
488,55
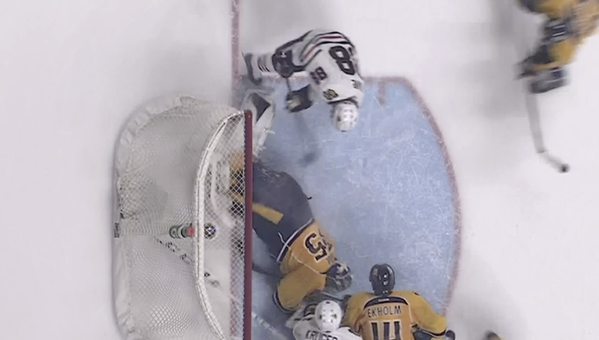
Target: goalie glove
298,100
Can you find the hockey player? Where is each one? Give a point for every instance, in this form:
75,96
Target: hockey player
392,314
283,219
321,322
568,23
331,61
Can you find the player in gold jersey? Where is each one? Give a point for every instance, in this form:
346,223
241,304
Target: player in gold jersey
389,314
282,218
568,23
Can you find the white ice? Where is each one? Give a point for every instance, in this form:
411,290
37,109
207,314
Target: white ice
72,71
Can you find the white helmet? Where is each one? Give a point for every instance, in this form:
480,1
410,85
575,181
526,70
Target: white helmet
328,316
345,115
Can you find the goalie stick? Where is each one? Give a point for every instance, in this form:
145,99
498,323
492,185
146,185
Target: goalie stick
532,109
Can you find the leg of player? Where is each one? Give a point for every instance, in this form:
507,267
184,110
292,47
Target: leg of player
261,103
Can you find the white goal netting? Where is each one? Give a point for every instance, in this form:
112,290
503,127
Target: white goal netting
180,264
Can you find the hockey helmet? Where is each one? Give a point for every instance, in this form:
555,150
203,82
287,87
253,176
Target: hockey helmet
345,115
328,316
339,277
382,279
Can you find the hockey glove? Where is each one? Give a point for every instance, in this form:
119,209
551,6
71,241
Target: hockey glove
526,68
298,100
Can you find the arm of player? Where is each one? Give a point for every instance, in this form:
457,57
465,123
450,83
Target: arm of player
555,9
352,312
428,322
295,286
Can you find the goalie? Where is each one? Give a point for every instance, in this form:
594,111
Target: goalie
283,219
568,23
331,61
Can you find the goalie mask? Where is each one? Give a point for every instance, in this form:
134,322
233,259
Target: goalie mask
339,277
345,115
328,316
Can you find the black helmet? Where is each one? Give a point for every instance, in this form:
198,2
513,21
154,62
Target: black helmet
382,279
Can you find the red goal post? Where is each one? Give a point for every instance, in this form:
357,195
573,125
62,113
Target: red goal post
182,244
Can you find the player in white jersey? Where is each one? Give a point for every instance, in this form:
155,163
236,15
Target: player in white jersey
331,61
322,323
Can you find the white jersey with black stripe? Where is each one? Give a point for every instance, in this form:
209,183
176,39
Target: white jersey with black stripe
331,61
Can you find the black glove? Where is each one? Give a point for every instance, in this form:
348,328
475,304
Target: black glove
298,100
526,68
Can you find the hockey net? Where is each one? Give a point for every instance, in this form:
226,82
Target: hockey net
182,245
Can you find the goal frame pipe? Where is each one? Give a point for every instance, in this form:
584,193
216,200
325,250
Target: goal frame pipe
249,185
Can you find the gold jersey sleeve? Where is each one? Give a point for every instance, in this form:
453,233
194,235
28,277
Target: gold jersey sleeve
581,18
392,316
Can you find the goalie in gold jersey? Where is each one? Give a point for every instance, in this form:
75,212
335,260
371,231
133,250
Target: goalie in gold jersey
282,218
392,314
568,24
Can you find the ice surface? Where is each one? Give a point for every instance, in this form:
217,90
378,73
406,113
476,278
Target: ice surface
382,191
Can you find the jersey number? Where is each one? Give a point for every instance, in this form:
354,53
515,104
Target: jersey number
386,331
318,75
319,249
343,58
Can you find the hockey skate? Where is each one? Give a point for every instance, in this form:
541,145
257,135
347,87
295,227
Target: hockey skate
254,73
548,80
261,103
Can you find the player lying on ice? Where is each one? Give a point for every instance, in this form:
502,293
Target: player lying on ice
385,313
331,61
568,23
320,322
283,220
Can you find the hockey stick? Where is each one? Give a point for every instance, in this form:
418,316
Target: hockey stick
537,135
258,318
532,108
